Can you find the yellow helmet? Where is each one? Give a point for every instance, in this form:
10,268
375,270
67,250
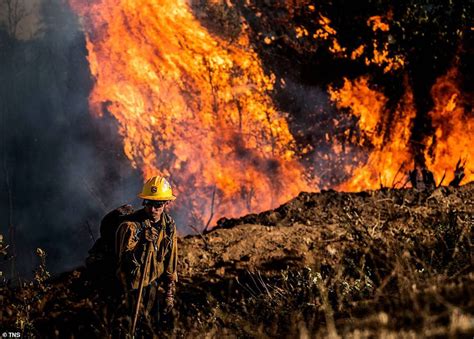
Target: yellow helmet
157,188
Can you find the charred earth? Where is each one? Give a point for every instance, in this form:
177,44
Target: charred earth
323,264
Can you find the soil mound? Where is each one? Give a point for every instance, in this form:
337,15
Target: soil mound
312,228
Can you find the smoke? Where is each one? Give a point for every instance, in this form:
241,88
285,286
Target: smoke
315,121
61,168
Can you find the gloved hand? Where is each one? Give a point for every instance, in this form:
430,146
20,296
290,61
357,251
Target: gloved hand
151,234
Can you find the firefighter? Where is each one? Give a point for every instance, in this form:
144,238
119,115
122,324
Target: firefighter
149,230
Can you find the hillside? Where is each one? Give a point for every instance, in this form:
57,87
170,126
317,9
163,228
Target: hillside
323,264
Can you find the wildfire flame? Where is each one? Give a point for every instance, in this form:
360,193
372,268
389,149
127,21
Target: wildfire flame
388,133
191,106
195,107
454,129
390,155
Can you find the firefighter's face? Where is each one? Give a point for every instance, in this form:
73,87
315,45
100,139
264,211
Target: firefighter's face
154,209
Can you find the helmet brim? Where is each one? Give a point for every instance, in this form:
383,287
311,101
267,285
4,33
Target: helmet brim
155,198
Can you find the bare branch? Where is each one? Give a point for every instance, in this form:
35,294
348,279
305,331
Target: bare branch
212,209
16,12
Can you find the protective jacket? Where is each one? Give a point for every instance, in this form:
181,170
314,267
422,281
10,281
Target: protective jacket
131,245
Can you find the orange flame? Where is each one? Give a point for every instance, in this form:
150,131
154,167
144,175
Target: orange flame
390,157
389,140
454,129
379,55
191,106
377,24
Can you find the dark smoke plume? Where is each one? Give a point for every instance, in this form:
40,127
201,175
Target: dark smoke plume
61,168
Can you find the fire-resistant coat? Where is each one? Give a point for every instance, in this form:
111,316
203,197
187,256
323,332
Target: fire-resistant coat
131,251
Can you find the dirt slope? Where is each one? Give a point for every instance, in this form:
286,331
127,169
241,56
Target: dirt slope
310,229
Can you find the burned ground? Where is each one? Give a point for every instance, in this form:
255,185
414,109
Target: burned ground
370,263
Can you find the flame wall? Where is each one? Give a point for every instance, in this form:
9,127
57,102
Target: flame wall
191,106
198,108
